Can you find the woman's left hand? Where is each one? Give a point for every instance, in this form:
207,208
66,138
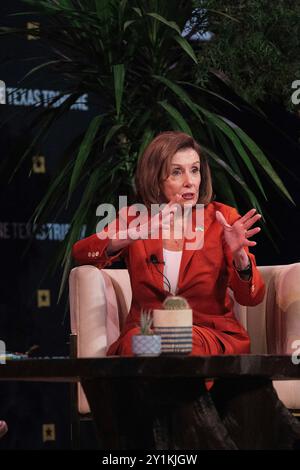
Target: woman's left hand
237,235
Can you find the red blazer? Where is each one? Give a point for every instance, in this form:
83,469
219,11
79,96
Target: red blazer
204,276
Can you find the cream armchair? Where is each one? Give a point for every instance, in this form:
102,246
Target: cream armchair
100,301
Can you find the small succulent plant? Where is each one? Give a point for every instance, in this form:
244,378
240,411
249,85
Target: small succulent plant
146,322
175,303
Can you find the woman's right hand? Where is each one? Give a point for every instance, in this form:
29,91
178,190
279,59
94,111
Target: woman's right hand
144,228
149,227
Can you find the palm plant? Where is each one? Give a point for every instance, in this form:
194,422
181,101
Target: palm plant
132,55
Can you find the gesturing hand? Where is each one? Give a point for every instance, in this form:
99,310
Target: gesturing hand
237,235
149,227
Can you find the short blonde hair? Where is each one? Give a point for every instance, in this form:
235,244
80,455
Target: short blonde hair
154,167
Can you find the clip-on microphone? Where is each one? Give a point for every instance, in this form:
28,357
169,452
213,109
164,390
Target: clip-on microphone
154,260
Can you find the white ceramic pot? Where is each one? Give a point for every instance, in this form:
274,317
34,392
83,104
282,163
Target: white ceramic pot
146,345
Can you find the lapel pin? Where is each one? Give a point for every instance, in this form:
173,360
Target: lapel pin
199,229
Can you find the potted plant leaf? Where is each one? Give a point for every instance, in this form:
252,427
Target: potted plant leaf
146,343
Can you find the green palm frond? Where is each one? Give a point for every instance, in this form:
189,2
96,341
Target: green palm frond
133,56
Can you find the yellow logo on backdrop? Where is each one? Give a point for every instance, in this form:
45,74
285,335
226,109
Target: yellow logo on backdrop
38,164
34,27
43,298
49,432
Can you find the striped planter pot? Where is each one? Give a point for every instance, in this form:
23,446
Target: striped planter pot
175,340
175,329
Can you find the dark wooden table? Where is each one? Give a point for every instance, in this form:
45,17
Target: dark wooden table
71,370
164,402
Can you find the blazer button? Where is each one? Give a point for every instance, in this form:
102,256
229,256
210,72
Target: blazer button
97,253
93,254
89,254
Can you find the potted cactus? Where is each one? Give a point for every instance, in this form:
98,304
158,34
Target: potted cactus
174,302
174,324
146,343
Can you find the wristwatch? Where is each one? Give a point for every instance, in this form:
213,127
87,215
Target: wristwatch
247,270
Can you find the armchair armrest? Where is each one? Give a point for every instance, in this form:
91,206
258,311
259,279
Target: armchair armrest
98,300
92,297
89,320
283,309
274,325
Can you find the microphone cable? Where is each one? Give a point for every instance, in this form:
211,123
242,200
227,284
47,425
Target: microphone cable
155,262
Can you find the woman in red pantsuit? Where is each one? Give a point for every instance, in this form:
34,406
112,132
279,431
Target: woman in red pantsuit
195,248
200,268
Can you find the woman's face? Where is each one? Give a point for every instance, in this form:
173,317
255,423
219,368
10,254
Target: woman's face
184,178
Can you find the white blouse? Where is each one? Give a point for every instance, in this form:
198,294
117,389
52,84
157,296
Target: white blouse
172,261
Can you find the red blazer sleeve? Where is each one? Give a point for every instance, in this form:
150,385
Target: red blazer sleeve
93,249
245,292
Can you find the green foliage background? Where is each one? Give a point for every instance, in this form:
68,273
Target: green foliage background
255,46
